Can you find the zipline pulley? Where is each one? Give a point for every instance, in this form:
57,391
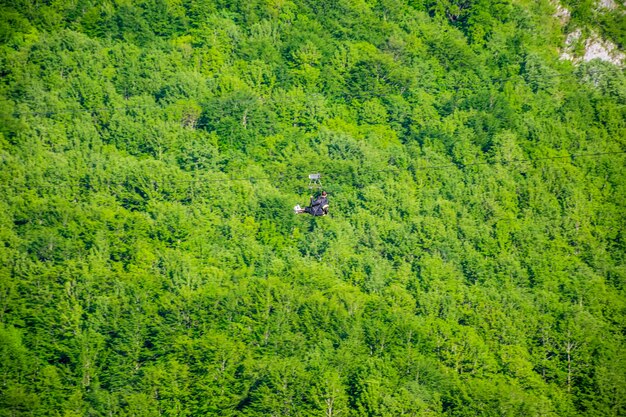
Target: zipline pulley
315,181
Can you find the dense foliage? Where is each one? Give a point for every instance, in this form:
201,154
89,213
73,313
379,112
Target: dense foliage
605,16
150,262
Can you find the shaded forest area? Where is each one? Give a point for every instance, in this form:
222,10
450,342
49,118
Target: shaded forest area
150,262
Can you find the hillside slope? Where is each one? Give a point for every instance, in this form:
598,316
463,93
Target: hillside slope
151,152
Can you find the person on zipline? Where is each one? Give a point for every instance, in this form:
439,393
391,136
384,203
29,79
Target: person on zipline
317,206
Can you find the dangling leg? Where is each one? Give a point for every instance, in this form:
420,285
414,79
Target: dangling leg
299,210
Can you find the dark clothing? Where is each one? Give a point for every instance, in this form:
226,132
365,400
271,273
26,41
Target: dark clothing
319,206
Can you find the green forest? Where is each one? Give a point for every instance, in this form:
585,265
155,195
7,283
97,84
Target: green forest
473,262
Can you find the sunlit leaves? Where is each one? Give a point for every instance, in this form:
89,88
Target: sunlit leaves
151,263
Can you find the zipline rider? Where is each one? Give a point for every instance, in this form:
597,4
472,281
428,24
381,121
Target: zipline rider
317,206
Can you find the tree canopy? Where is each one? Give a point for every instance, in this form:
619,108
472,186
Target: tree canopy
473,262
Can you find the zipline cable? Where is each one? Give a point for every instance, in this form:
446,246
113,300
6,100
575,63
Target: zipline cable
282,176
502,162
424,168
